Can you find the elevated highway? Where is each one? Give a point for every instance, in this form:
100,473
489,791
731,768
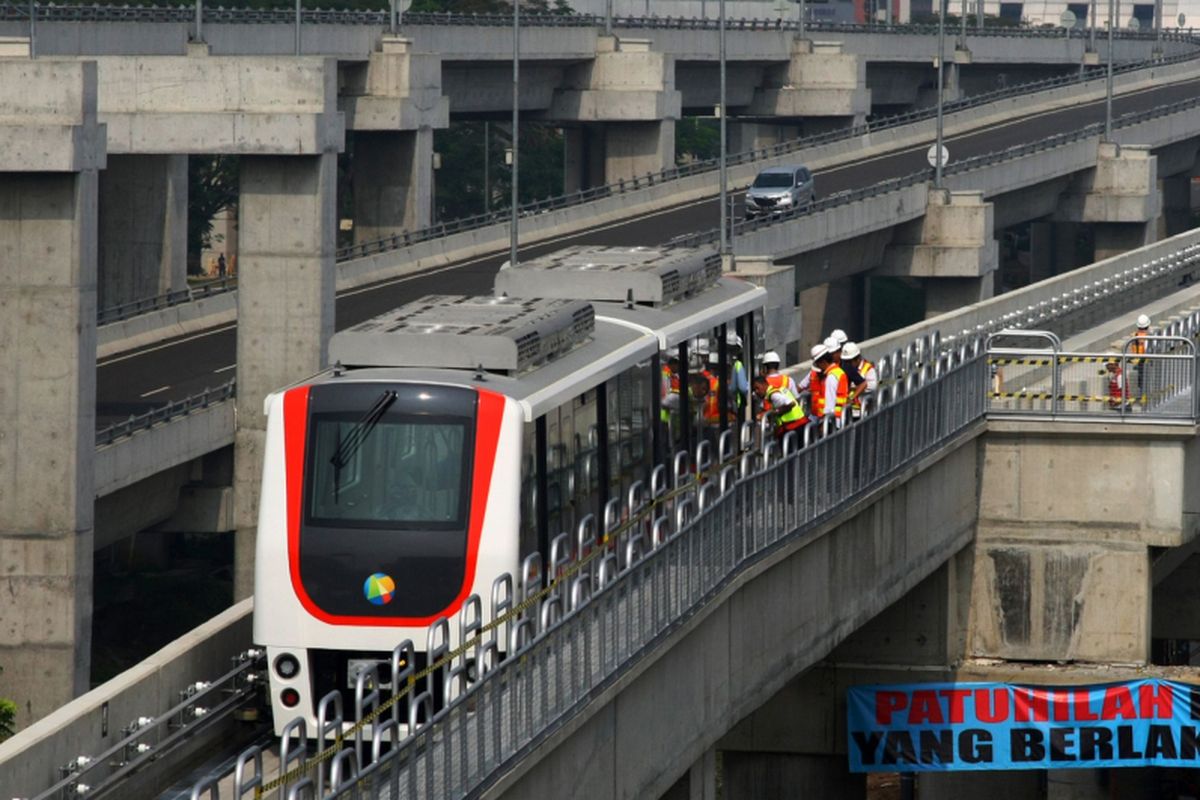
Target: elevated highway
778,563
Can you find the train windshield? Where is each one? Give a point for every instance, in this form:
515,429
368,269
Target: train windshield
396,471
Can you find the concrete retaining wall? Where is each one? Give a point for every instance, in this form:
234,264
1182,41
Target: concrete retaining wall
129,460
29,761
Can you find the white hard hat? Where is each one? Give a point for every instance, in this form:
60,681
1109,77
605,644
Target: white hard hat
1143,321
771,357
702,345
818,350
850,350
832,344
732,339
839,336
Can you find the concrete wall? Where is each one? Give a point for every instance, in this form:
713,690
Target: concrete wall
91,723
771,623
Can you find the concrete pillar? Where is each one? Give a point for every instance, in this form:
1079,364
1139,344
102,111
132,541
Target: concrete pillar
630,91
745,136
782,320
1063,567
951,248
1121,198
392,178
393,103
285,308
702,777
818,80
837,304
583,157
50,151
143,227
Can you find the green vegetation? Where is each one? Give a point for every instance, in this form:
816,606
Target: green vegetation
697,139
212,187
8,716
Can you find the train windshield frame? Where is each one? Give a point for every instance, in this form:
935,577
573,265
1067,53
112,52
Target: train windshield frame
405,472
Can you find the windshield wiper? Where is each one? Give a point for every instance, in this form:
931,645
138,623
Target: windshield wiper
358,434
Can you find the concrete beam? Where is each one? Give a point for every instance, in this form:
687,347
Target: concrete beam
781,321
212,104
396,90
1123,187
626,81
818,80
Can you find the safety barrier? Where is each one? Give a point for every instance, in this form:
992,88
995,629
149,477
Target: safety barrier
145,305
1150,378
178,408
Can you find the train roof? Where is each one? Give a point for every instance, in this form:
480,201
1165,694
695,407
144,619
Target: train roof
657,276
724,301
536,351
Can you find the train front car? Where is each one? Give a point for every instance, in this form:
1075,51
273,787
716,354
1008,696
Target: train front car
390,492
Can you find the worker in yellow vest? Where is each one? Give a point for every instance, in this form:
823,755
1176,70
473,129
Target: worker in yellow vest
779,405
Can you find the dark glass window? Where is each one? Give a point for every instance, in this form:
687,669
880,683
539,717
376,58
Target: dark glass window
404,473
773,180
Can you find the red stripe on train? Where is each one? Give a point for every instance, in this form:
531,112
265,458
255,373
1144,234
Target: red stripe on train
489,415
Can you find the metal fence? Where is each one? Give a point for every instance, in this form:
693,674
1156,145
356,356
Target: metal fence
1151,378
618,589
145,305
166,413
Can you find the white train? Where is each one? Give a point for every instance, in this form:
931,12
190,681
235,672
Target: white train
455,436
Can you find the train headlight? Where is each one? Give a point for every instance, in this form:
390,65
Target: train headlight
286,666
289,697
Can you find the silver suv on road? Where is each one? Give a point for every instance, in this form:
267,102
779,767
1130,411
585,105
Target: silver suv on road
780,189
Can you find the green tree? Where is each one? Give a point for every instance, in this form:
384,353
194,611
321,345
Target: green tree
212,187
697,139
8,717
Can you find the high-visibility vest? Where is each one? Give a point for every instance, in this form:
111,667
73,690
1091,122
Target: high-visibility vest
712,400
796,415
664,413
843,391
864,367
738,370
1139,348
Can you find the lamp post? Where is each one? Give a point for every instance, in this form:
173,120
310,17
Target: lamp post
516,121
941,68
724,240
1108,83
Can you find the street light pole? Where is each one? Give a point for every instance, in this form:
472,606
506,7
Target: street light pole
516,121
724,240
941,65
1108,83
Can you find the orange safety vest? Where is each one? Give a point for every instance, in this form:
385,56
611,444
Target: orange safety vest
1139,348
712,401
843,391
863,368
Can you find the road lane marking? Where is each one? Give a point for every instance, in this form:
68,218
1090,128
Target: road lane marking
226,369
155,391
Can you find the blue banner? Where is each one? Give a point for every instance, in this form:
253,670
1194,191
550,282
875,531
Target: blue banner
923,727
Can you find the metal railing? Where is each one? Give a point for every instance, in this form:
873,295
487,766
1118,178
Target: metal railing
166,413
100,12
1127,386
147,739
145,305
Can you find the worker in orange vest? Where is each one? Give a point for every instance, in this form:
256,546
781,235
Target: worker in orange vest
1138,348
864,378
831,393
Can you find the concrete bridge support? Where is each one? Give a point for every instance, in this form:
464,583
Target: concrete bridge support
626,105
818,81
1068,517
285,309
51,148
143,227
1120,198
951,249
392,105
782,318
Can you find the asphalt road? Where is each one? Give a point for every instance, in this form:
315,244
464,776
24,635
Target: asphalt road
135,382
